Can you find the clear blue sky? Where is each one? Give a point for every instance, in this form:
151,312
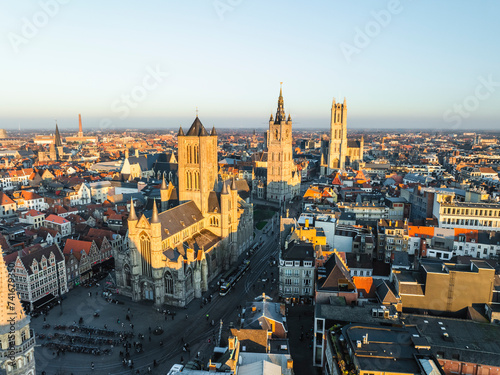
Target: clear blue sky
228,60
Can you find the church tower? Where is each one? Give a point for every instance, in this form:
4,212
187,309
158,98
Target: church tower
338,136
16,337
280,165
198,164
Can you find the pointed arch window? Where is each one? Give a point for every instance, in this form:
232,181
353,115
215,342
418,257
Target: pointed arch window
188,154
196,155
128,275
189,180
189,280
276,133
169,283
146,255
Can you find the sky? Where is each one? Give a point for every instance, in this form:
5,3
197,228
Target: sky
129,64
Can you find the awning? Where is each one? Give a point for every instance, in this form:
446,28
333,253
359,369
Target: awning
43,301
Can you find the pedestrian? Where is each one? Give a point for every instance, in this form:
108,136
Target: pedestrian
149,329
186,316
92,366
131,325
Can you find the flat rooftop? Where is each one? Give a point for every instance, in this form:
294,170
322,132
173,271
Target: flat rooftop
467,340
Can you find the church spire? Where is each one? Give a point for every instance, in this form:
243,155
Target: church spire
154,217
163,183
57,137
132,216
280,112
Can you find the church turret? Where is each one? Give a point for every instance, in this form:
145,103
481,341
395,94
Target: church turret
154,217
213,132
181,132
132,218
163,184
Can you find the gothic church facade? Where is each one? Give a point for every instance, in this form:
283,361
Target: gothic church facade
173,255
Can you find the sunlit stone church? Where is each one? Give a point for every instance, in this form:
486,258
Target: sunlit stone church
176,253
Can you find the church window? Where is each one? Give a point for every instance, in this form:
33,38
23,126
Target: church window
196,156
189,180
189,280
188,153
276,133
169,283
196,180
128,275
146,255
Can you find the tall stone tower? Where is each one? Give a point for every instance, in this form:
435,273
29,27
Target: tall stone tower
280,165
338,137
17,341
197,163
80,128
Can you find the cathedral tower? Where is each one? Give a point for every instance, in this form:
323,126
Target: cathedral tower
338,136
198,164
281,170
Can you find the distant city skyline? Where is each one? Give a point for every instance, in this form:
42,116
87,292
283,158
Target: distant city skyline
400,64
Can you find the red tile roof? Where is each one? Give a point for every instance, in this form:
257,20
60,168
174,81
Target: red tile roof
56,219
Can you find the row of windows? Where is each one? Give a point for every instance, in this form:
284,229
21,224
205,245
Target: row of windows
472,211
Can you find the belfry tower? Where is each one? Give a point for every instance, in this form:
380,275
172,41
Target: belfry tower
280,165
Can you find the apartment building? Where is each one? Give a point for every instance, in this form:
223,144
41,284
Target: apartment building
58,223
439,286
296,271
39,274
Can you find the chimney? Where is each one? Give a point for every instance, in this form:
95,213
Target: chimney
80,129
212,367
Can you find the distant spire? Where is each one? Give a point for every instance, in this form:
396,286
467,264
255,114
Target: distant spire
57,137
132,216
270,118
154,217
163,184
196,111
345,102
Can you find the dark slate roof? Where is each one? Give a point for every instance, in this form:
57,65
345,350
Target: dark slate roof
197,129
213,202
299,251
178,218
385,293
27,259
